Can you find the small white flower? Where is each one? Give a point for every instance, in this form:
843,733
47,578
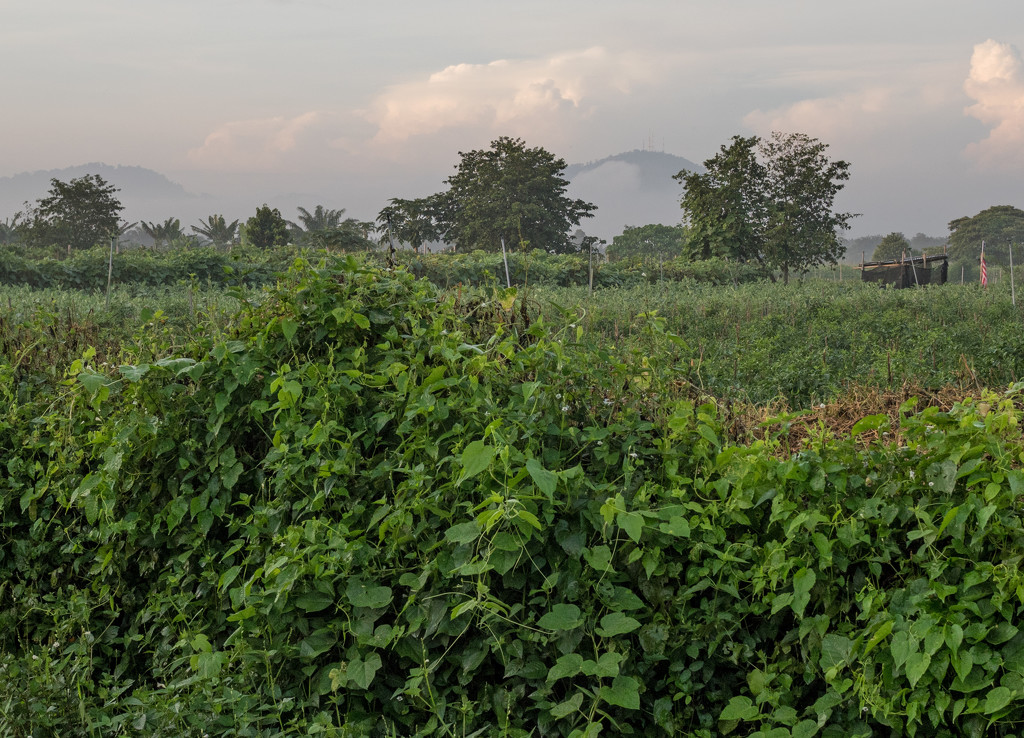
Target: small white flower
565,408
607,401
931,484
632,455
911,474
572,325
821,406
558,396
600,443
643,274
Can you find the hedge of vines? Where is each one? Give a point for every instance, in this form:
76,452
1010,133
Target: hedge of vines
88,270
366,509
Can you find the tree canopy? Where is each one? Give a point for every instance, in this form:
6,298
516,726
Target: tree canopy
767,200
508,192
163,234
217,231
324,228
998,227
78,214
649,240
893,246
267,228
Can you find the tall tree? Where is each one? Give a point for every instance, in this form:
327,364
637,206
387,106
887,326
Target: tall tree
998,227
163,234
507,192
409,221
77,214
893,246
267,228
218,231
770,201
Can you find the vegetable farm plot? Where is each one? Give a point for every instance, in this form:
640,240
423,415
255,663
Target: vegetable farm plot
358,505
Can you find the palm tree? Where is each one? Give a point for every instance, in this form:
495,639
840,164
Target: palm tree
325,229
163,234
218,231
10,231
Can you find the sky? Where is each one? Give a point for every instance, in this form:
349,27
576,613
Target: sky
360,102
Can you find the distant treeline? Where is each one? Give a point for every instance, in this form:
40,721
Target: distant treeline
88,269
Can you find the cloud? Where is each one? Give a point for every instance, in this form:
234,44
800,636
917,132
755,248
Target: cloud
507,96
266,144
996,84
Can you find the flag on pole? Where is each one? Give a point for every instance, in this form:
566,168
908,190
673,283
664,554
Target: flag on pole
984,272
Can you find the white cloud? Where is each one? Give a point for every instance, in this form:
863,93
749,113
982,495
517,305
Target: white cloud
507,96
264,144
996,83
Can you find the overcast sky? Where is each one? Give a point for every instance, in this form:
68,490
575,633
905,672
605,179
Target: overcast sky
372,100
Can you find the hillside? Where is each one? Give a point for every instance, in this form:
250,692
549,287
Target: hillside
629,189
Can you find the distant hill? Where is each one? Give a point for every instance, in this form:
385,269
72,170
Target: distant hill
630,189
146,194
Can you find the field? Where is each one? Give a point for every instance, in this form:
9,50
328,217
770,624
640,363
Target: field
347,502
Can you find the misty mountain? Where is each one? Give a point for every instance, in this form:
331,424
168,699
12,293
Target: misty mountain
144,193
630,189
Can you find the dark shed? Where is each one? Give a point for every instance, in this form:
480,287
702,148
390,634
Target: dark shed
914,271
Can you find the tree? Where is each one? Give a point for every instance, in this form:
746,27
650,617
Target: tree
893,246
998,227
648,241
324,229
10,231
769,201
507,192
78,214
163,234
409,221
267,228
218,231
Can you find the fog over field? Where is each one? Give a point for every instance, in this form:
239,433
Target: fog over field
302,102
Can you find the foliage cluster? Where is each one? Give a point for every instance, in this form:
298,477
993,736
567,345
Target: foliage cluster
507,192
767,200
999,227
806,343
365,508
77,215
87,269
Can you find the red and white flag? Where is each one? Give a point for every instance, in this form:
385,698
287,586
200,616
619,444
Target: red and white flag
984,272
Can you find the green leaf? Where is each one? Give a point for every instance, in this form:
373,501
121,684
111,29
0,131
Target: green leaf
93,382
288,328
615,624
316,643
561,617
997,699
476,457
568,665
133,373
571,705
632,523
803,581
883,630
361,672
314,601
739,708
870,423
917,664
362,595
624,692
805,729
835,651
463,532
545,480
676,526
605,667
900,648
